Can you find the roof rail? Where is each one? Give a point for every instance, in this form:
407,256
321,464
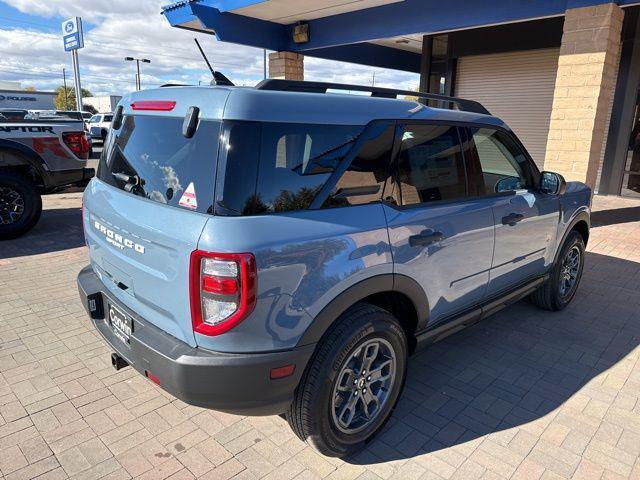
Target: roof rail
379,92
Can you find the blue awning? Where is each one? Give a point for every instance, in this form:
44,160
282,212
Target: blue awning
348,36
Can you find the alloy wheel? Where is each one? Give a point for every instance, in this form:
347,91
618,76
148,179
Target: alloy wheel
363,386
569,271
11,205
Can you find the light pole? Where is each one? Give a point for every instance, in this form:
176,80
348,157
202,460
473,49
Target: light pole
137,60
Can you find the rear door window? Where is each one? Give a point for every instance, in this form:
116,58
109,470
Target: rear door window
364,181
149,157
293,163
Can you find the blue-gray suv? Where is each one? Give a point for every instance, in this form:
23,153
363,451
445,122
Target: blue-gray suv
285,248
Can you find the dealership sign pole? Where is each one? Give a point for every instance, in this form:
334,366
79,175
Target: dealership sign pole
74,40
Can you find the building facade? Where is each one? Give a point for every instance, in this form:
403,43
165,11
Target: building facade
103,103
26,100
564,74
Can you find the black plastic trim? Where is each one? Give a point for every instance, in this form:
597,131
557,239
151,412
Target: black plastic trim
582,216
477,313
322,87
32,158
230,382
378,284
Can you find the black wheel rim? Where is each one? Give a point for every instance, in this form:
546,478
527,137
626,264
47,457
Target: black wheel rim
363,386
569,272
11,206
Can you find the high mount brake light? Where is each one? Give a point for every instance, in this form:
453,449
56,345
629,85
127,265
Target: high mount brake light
77,143
154,105
222,290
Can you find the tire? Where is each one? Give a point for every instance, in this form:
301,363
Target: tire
18,194
313,415
550,295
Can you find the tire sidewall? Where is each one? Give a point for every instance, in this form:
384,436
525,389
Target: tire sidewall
32,206
574,239
324,429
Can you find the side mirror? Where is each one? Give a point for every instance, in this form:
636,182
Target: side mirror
552,183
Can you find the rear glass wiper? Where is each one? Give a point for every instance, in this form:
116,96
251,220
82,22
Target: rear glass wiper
131,182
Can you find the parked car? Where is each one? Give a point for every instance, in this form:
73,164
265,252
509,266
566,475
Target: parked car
99,125
37,157
298,268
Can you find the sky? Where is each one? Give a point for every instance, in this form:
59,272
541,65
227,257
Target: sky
31,50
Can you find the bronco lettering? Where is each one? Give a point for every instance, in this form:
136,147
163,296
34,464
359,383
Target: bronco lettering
116,239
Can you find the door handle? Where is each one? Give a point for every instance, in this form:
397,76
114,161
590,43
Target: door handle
425,238
512,219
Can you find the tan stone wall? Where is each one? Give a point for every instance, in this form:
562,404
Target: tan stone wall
583,91
286,65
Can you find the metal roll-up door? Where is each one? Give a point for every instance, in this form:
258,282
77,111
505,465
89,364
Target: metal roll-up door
517,87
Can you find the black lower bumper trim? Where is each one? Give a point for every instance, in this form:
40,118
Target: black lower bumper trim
79,177
234,383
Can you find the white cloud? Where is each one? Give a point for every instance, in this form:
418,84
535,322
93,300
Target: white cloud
136,28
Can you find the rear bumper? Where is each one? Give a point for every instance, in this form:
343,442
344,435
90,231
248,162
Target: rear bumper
234,383
62,178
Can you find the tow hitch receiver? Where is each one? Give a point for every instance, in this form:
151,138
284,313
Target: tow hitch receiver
118,362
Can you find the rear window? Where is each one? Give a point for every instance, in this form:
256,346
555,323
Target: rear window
108,118
293,163
149,157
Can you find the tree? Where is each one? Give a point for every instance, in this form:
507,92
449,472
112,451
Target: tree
30,89
66,100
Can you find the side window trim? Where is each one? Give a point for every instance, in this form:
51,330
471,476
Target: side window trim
333,180
400,126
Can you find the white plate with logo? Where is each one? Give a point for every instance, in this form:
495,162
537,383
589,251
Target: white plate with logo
121,323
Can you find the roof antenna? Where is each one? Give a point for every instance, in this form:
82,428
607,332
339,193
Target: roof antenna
218,78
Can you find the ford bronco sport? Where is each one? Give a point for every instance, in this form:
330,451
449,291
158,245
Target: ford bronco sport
282,249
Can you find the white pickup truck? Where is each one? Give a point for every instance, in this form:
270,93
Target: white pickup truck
37,156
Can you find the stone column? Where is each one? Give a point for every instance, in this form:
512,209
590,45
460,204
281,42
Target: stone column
286,65
589,53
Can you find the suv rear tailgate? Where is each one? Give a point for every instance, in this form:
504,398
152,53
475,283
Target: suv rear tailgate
146,209
141,251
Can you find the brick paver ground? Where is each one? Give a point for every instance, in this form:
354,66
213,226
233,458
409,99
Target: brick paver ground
525,394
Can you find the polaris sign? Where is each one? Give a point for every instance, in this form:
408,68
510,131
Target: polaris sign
72,34
16,98
27,100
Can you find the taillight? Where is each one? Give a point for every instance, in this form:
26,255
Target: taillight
223,290
77,143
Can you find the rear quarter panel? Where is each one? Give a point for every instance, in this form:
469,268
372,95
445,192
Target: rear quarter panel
304,260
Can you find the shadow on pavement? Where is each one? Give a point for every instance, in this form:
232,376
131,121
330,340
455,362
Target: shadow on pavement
58,229
603,218
514,367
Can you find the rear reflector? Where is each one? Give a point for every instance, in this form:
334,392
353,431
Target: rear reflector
152,377
282,372
154,105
